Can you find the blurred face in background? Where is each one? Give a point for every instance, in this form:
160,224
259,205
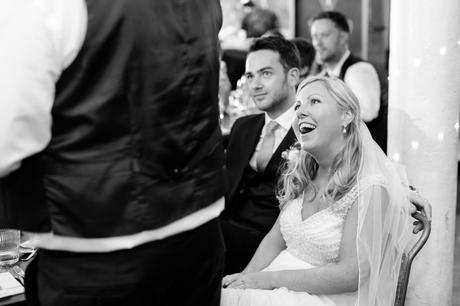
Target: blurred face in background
330,43
268,82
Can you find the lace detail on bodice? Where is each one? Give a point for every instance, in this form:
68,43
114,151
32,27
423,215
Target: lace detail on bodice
316,239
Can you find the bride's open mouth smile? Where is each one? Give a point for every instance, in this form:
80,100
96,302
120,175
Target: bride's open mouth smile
305,127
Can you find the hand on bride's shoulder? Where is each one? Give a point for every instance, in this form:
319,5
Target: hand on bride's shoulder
419,203
254,280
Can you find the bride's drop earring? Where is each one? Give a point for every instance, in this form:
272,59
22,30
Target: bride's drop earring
344,129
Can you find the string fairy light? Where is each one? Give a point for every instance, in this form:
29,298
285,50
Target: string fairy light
440,136
443,51
414,144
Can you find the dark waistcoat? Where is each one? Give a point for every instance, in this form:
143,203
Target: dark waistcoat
256,206
377,127
351,60
135,141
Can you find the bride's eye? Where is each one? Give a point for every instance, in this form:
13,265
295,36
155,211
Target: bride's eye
314,101
296,106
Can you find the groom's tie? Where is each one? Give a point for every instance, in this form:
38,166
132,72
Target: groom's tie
266,149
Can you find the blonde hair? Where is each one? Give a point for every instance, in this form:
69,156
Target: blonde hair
300,168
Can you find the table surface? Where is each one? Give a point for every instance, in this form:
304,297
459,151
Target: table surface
18,299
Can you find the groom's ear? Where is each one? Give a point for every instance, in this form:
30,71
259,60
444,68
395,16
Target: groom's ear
293,75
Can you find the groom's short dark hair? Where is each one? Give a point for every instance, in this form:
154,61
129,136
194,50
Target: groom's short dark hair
289,55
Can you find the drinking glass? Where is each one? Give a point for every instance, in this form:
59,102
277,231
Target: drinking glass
9,247
26,249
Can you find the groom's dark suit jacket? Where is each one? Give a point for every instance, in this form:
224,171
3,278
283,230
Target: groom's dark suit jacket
251,205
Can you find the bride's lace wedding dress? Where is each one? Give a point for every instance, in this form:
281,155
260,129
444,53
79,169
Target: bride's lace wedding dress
383,235
312,242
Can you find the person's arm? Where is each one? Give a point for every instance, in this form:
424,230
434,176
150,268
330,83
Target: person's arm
272,244
364,82
334,278
38,40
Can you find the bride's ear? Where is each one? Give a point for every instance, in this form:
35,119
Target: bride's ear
347,117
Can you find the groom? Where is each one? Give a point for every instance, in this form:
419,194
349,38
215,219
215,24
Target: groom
255,146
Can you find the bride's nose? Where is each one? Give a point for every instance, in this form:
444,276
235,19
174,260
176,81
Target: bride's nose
302,110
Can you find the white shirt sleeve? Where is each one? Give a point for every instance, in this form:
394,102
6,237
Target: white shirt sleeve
364,82
38,40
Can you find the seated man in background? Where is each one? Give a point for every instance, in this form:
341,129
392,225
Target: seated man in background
261,22
256,143
330,32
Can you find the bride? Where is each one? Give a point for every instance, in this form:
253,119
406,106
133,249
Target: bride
344,220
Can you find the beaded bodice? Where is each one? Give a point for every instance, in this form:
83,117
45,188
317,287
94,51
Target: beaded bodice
316,239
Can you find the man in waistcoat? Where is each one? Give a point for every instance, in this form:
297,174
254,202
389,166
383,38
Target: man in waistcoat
256,143
330,32
110,148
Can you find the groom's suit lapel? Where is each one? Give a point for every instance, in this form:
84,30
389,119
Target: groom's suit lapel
244,141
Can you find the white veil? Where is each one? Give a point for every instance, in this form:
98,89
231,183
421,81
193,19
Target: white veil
383,231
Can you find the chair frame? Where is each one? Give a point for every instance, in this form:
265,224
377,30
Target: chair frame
424,225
